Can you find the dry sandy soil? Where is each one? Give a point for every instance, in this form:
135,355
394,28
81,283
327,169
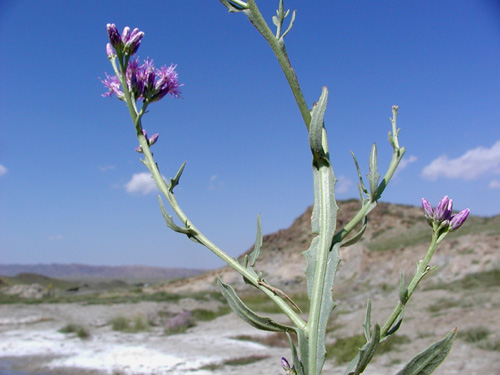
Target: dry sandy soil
30,341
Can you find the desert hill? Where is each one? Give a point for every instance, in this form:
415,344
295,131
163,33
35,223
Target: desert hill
396,238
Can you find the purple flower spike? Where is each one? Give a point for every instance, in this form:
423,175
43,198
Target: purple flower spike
443,210
457,220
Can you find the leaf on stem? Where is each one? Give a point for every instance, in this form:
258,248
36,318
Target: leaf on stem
170,222
426,362
361,184
234,5
367,325
352,240
373,175
175,181
365,354
249,316
252,257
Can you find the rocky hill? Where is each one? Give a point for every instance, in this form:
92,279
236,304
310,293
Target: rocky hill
396,238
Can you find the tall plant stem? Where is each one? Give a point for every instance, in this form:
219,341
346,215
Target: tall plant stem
278,47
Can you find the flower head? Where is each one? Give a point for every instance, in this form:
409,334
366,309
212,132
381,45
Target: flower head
443,210
127,43
145,81
442,216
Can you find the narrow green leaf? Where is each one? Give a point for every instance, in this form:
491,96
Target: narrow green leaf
234,6
367,325
361,184
365,354
426,362
316,125
403,290
171,224
352,240
258,244
175,181
373,175
245,313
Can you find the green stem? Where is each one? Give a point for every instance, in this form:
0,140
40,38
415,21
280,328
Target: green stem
422,270
278,47
162,186
326,204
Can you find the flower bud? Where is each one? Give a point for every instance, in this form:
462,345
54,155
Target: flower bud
125,34
132,45
457,220
110,51
285,364
153,139
428,211
443,210
114,35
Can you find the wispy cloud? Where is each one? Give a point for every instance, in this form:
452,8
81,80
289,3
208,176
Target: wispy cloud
3,170
405,162
105,168
214,183
141,183
474,163
343,185
494,184
56,237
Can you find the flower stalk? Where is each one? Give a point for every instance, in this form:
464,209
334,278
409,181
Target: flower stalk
144,83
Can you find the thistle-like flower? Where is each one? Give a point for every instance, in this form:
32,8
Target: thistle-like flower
151,141
442,216
145,82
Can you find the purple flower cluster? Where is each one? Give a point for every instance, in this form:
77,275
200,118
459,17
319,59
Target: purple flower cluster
145,82
125,44
442,215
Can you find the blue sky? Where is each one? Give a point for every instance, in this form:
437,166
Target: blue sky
67,160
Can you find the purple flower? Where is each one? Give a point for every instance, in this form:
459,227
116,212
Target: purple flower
285,364
114,36
126,44
151,141
428,211
145,81
113,84
457,220
442,214
443,210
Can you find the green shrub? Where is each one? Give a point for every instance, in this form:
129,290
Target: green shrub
80,331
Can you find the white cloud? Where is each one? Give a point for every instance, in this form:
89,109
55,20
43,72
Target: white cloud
406,162
56,237
141,183
104,168
3,170
214,183
474,163
494,184
343,184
